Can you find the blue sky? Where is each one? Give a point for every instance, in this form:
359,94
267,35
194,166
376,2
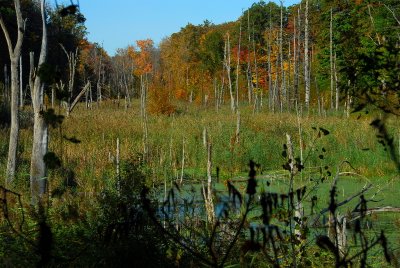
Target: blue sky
117,23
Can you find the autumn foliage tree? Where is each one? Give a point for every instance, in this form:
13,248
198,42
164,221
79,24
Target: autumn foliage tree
159,100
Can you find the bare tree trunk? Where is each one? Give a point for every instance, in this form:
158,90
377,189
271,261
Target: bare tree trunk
336,83
237,133
306,60
90,97
14,54
14,128
215,93
87,98
249,73
143,112
75,102
257,94
331,54
38,172
72,60
207,194
6,83
117,167
53,97
32,71
238,65
282,84
277,84
300,133
142,96
209,181
222,94
297,75
288,85
227,61
270,86
127,96
183,160
348,104
99,95
21,92
294,62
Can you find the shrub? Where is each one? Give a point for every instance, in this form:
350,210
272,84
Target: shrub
159,102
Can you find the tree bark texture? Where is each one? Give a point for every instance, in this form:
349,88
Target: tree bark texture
14,54
38,172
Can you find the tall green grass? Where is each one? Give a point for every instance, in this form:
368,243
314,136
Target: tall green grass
261,138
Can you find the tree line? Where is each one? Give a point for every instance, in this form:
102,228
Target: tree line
319,54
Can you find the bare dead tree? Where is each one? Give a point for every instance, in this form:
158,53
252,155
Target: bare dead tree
21,91
256,94
331,54
208,193
38,171
143,113
14,54
77,98
282,78
98,85
298,49
270,86
227,63
72,60
238,64
6,83
249,71
306,59
336,83
295,70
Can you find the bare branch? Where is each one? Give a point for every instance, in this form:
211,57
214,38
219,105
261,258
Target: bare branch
7,36
21,28
79,96
393,14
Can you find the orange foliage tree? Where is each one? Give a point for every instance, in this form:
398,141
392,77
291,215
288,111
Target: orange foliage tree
159,100
142,58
